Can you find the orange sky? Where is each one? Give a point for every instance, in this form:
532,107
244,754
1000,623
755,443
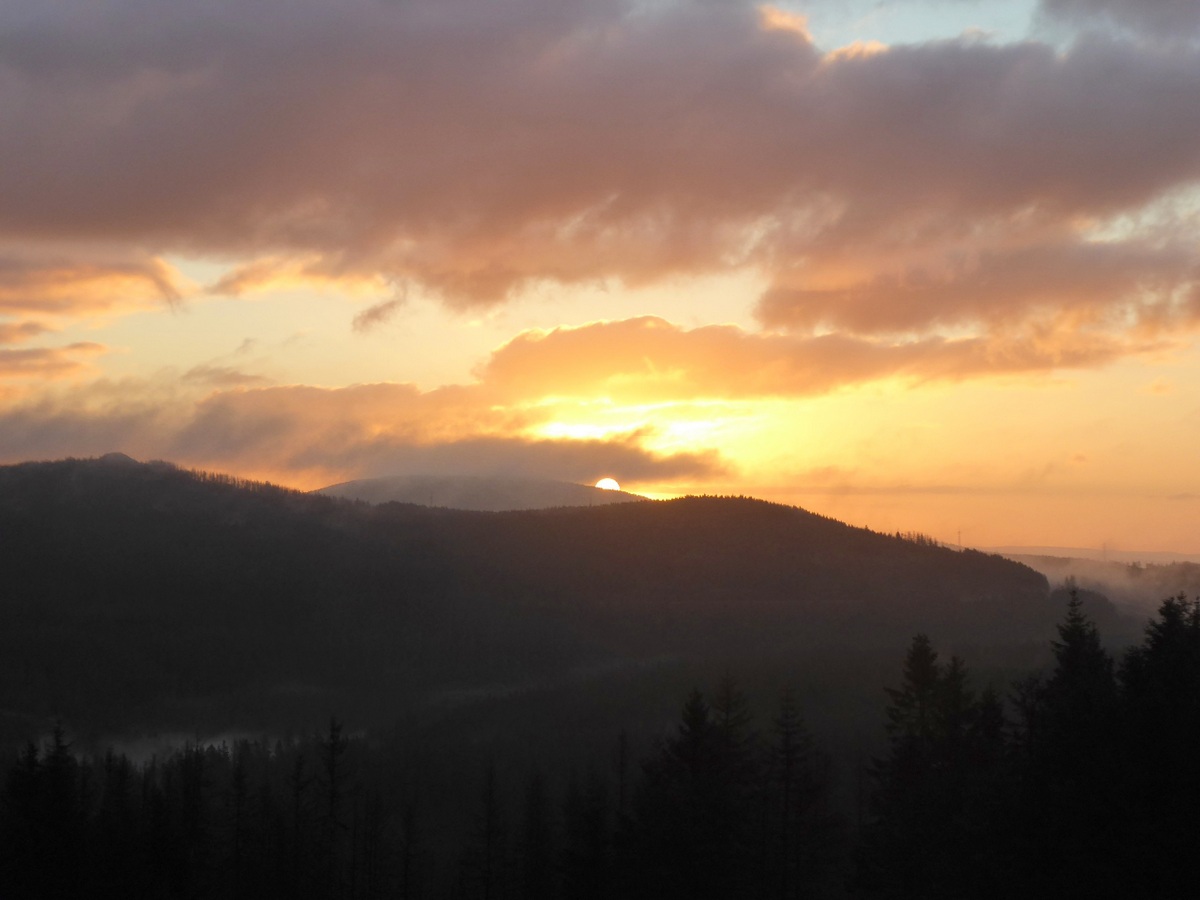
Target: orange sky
922,266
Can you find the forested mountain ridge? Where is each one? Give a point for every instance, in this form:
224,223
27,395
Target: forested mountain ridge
139,592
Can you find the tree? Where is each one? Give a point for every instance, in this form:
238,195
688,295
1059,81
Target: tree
484,865
537,868
1160,682
333,780
937,830
802,831
696,806
587,840
1074,774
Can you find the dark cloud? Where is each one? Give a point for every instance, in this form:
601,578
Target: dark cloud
54,426
1096,282
312,436
1171,19
376,315
566,460
476,148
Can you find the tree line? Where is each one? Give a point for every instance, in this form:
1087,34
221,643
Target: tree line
1084,783
1078,782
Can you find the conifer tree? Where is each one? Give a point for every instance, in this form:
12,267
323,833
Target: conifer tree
932,833
697,804
536,841
1074,776
587,840
333,784
1161,694
803,833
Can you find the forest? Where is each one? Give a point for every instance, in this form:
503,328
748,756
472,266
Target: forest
218,688
1077,782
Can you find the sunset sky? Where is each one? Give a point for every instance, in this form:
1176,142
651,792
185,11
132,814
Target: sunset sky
920,266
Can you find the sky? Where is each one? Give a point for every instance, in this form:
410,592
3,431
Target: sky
919,266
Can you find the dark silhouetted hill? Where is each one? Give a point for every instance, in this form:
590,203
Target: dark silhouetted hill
141,593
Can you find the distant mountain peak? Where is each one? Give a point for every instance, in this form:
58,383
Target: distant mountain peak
118,459
481,493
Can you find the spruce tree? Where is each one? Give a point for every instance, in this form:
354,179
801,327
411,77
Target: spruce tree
1075,777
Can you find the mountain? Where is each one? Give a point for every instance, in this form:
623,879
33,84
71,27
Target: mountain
139,595
482,494
1103,554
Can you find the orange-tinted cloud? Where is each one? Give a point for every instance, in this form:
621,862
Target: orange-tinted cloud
19,332
649,359
478,147
71,282
47,363
311,436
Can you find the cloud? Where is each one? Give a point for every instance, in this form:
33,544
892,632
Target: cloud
566,460
376,315
222,377
19,332
1170,19
648,359
47,363
281,273
78,281
478,148
311,437
1132,282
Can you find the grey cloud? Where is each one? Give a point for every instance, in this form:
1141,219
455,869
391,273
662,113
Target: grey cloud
287,431
477,148
1140,281
376,315
1171,19
556,459
222,377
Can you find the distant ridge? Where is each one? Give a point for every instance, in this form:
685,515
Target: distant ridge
1095,554
476,493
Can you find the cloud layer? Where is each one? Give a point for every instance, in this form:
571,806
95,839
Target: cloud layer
315,436
650,360
476,148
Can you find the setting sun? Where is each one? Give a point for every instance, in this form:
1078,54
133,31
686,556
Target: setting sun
608,484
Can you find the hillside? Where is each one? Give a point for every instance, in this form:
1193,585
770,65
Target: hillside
141,593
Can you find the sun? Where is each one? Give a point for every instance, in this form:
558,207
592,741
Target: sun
608,484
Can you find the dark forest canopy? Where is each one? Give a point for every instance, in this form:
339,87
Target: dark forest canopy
1079,781
137,594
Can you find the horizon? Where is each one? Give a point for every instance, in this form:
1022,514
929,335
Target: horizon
915,266
1104,553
